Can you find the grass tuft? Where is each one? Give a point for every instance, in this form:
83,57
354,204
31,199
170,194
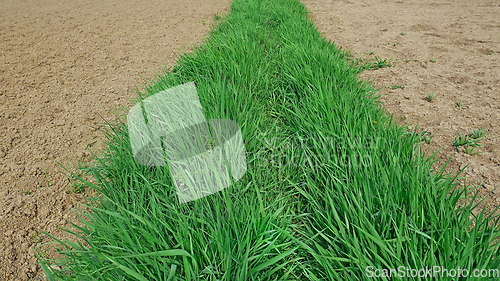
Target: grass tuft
430,97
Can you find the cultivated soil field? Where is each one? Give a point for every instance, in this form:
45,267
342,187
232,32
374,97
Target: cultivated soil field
64,64
447,48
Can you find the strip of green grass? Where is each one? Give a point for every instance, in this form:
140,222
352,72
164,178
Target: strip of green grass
332,185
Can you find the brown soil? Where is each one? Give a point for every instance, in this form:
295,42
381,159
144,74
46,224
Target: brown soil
63,64
449,48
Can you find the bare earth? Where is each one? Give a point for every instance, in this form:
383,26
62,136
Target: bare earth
65,63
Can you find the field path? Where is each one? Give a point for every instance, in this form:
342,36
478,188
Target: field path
65,63
62,65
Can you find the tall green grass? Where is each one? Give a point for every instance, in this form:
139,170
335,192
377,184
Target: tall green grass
333,186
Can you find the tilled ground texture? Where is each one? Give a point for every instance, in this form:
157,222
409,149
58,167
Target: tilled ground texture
447,48
63,64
